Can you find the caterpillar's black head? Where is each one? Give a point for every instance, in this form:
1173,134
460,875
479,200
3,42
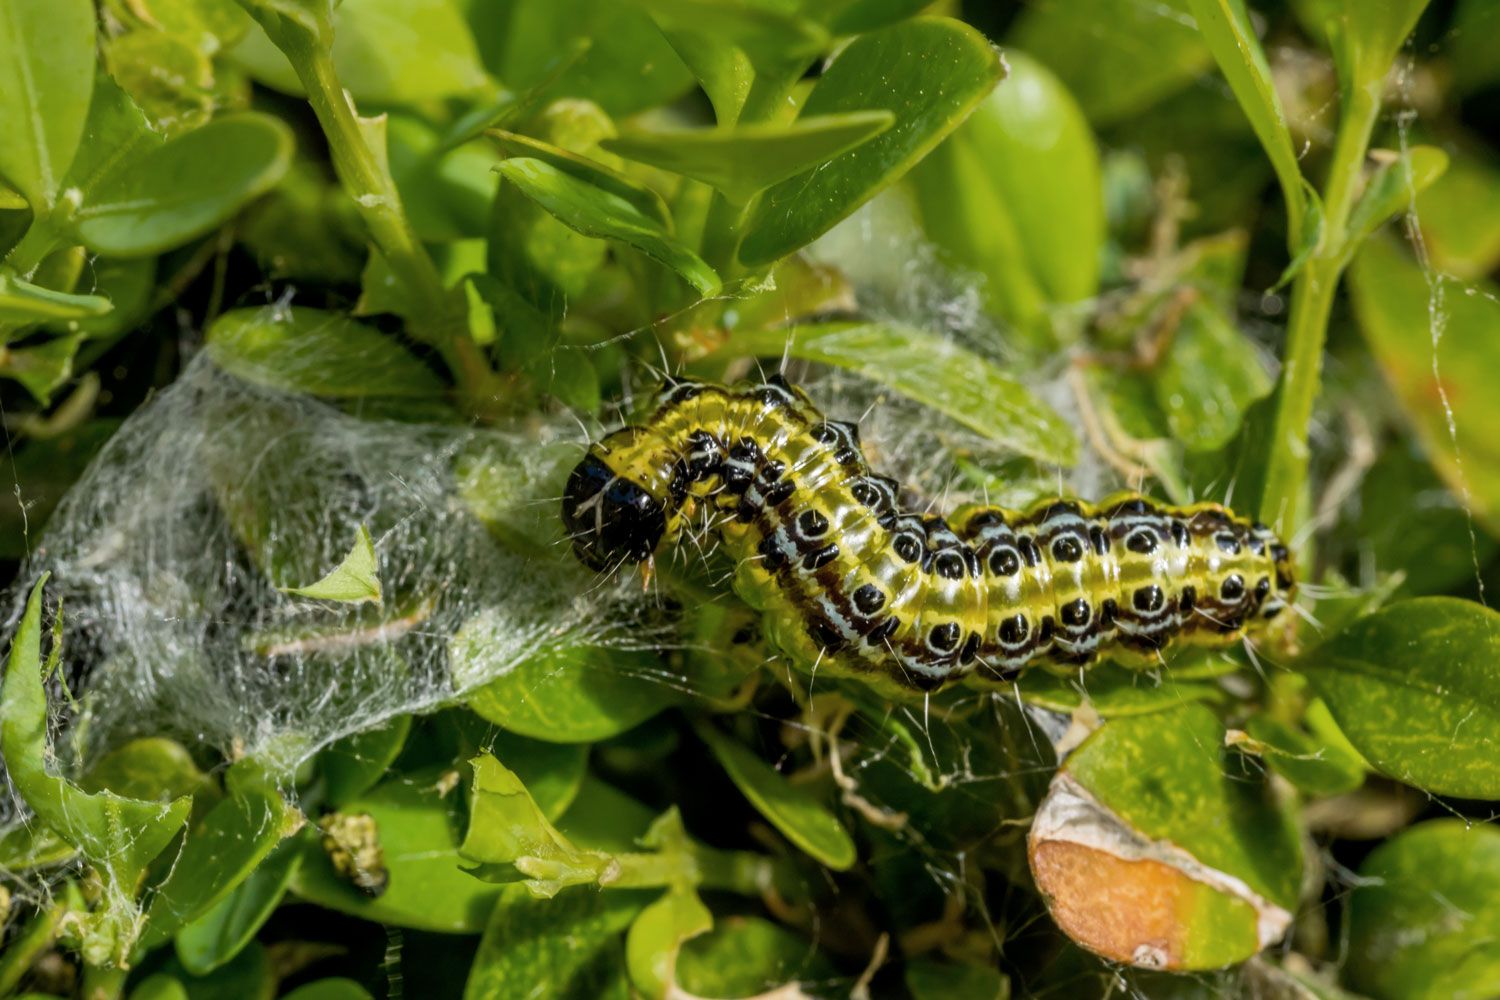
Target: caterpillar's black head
610,519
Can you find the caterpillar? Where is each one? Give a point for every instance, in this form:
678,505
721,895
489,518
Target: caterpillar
849,582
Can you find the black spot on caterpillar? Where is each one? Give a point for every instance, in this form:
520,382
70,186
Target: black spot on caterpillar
847,581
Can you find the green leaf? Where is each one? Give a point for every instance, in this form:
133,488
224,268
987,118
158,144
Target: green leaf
932,370
1118,57
1148,840
1393,189
928,72
439,60
1115,691
46,78
1460,214
1015,195
42,369
151,767
628,67
743,52
21,302
656,936
319,353
1225,25
415,816
1314,766
588,170
744,161
800,816
353,581
221,850
931,980
1412,687
1208,379
221,932
746,956
1365,37
1424,917
572,694
333,988
553,773
120,836
356,763
116,137
563,947
506,827
1440,374
184,188
598,213
27,942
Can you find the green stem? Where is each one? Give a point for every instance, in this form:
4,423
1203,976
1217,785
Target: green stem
103,982
365,175
40,239
1307,325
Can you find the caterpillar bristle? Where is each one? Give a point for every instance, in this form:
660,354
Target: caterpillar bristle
850,581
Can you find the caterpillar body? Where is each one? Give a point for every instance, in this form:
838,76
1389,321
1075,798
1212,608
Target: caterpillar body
849,582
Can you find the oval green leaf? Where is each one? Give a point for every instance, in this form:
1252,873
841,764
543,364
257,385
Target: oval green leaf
1424,918
575,694
184,188
221,932
1413,687
1118,57
931,370
603,214
563,947
46,79
800,816
928,72
1015,196
1208,378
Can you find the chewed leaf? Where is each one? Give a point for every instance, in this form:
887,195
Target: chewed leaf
658,934
593,211
119,835
508,828
931,370
353,581
1148,853
42,369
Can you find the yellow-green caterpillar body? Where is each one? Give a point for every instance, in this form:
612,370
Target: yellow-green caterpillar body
850,583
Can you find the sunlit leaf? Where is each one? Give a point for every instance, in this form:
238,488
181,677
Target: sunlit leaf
932,370
46,79
1411,686
928,72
